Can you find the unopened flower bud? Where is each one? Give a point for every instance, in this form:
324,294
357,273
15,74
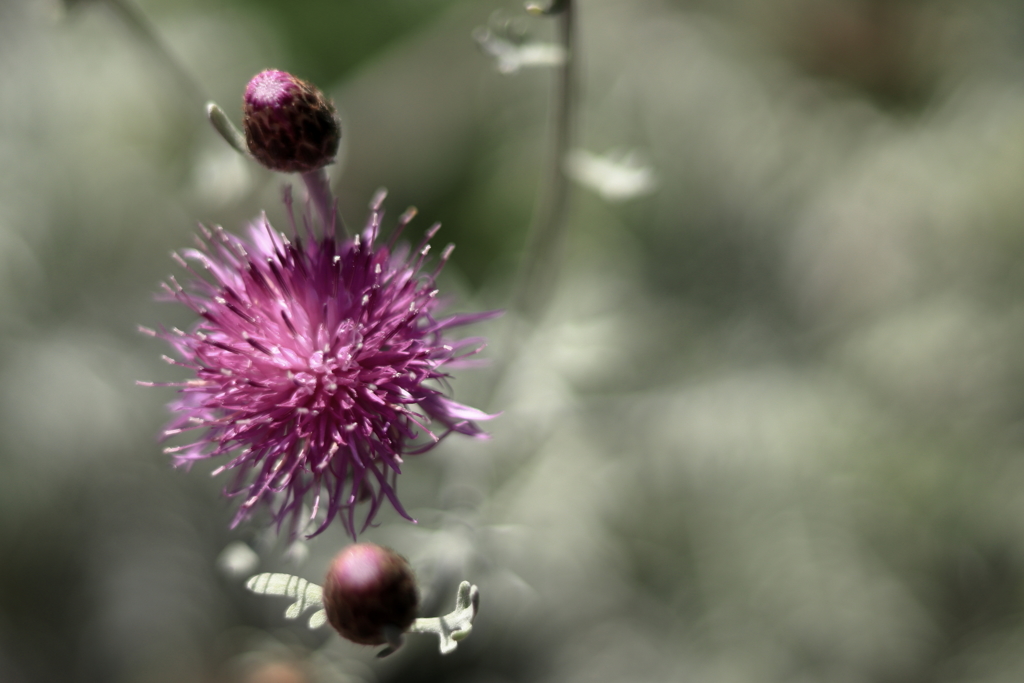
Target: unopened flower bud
289,125
369,588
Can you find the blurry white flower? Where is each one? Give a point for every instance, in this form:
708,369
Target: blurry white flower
511,56
237,559
616,176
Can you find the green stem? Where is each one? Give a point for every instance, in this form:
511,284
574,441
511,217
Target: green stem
319,187
538,271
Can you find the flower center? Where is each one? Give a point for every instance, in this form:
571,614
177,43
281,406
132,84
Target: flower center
269,89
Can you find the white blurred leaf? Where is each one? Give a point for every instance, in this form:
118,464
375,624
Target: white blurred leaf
616,176
306,594
511,56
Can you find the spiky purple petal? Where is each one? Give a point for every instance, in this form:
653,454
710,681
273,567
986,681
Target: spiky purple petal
314,364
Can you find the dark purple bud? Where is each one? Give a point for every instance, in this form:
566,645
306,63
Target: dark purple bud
367,589
289,125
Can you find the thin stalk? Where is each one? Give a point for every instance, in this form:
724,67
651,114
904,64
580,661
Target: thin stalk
538,271
319,187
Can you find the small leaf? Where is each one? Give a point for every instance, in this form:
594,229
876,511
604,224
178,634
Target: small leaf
222,124
318,619
306,594
455,626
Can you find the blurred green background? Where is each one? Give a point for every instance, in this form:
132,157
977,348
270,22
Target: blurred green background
769,429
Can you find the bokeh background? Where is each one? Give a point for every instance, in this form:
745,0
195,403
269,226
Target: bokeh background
768,429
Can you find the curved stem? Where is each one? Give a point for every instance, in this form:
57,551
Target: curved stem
222,124
539,268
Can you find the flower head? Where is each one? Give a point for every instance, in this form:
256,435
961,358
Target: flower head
289,125
369,588
318,364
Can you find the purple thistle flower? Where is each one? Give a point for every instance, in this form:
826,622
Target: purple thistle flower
315,366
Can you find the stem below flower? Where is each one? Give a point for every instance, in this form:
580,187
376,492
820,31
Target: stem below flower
319,187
